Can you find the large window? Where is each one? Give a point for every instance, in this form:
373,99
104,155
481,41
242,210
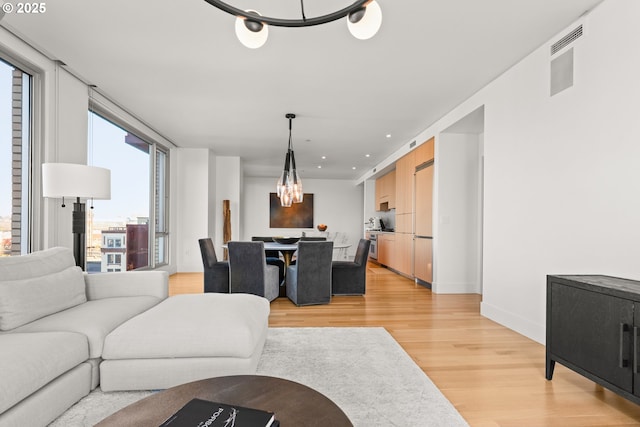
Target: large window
15,126
131,229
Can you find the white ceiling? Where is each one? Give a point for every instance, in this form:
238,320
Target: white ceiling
178,66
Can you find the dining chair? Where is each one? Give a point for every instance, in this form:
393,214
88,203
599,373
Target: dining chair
273,257
309,280
216,273
249,272
350,277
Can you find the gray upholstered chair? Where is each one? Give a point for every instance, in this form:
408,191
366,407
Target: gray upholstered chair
216,273
249,272
273,257
309,280
349,277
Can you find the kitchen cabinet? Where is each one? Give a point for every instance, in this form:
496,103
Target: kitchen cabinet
405,168
425,152
404,223
403,258
424,202
593,325
386,192
423,264
386,249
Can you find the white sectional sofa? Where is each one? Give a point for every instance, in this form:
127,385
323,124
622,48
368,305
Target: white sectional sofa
55,320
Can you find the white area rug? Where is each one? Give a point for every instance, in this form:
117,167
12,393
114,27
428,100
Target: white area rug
363,370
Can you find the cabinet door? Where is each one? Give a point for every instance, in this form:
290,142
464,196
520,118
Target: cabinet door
404,253
425,152
424,205
404,223
386,249
391,189
423,259
592,331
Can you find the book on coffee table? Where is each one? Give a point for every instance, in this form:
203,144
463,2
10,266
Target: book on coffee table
203,413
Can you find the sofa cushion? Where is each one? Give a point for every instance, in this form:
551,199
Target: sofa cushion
94,319
25,300
30,361
191,326
36,264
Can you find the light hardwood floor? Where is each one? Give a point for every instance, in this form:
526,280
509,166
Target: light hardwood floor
492,375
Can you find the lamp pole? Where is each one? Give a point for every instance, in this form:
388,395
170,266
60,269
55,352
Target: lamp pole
78,230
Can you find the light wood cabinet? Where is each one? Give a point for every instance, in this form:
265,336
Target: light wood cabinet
386,192
425,152
404,223
405,167
423,255
386,249
404,254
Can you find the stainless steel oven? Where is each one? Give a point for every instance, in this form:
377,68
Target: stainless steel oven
373,248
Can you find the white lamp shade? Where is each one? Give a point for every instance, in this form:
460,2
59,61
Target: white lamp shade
74,180
370,23
249,38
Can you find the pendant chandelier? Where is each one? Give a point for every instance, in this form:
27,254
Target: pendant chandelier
289,188
252,29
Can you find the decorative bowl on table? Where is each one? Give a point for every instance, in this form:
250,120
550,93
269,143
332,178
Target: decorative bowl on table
322,227
286,240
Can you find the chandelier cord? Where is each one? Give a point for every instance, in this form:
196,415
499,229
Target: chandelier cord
304,18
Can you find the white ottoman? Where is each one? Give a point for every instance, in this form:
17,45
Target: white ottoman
186,338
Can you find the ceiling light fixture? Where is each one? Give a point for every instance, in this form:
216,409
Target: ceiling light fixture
252,29
289,187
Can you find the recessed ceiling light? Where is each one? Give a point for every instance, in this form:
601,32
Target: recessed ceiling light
319,166
367,155
324,157
354,168
388,135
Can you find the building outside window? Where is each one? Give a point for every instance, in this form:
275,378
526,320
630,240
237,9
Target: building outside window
15,150
139,198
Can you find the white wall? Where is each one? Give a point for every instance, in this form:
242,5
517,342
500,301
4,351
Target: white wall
192,198
337,203
561,174
229,186
457,214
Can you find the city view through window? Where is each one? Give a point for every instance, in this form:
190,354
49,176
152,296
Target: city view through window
15,98
118,229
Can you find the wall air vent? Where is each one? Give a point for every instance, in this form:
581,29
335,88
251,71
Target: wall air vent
567,40
413,144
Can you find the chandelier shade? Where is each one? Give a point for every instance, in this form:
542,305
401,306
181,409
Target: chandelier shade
289,186
364,20
367,24
251,33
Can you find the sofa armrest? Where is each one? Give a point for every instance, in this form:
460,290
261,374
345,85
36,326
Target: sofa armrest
126,284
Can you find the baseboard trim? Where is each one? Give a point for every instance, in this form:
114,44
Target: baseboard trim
454,288
514,322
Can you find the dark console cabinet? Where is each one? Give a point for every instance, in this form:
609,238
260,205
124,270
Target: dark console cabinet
593,327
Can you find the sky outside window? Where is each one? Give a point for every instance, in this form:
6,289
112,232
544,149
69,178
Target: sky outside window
129,172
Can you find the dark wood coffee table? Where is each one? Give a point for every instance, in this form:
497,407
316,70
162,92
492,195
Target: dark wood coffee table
294,404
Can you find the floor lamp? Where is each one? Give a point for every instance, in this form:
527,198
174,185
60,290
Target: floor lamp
79,182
